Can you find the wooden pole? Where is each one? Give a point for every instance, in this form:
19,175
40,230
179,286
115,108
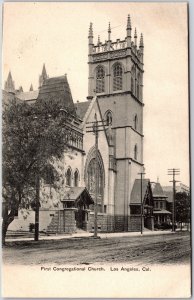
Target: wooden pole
36,233
96,180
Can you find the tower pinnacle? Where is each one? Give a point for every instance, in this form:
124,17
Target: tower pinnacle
90,31
129,22
43,76
109,32
31,88
90,39
9,83
98,40
135,37
141,44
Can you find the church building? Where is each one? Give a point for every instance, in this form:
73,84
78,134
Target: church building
115,102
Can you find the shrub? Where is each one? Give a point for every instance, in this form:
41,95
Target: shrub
31,227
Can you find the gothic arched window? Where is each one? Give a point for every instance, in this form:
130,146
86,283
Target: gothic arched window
133,80
117,77
92,178
76,178
108,118
135,122
100,79
135,152
68,177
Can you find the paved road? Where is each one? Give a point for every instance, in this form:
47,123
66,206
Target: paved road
163,249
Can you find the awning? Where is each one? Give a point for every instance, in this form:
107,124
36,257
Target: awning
77,194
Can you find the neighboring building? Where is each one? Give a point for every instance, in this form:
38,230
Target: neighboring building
161,212
168,190
115,97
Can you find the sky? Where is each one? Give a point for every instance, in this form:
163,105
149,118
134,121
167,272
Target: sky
57,34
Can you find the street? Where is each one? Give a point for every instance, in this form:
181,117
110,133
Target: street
173,248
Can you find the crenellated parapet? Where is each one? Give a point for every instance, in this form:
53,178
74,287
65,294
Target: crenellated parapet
116,66
114,49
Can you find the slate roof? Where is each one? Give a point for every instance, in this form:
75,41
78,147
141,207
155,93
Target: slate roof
81,108
27,96
136,190
158,191
73,193
57,89
7,97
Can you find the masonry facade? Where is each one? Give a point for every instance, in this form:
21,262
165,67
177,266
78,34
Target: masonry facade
115,100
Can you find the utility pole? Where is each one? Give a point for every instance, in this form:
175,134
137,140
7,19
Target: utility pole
37,206
173,172
95,127
141,174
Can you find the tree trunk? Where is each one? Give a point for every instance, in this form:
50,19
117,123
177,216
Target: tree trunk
7,219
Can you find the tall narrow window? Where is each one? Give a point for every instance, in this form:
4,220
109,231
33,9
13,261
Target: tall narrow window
135,122
100,79
133,80
117,77
68,177
76,178
92,179
135,152
139,86
108,118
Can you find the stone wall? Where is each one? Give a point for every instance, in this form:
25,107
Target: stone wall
105,222
150,223
134,223
63,221
119,223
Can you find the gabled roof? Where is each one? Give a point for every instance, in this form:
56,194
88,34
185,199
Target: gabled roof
57,89
7,97
73,193
81,108
158,191
27,96
136,190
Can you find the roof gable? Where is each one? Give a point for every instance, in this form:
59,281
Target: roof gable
158,191
81,108
136,190
57,90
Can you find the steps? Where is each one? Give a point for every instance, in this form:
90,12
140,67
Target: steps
55,224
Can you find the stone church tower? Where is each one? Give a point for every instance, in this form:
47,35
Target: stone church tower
116,78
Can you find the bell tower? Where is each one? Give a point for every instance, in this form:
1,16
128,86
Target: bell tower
116,77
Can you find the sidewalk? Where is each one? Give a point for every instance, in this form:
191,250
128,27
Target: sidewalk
88,234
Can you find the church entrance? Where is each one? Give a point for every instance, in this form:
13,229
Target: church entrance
81,218
77,200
